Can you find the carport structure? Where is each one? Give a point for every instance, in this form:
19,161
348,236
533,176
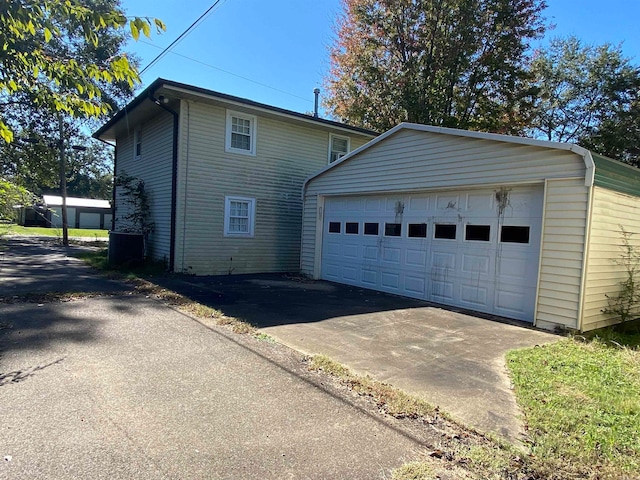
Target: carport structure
511,226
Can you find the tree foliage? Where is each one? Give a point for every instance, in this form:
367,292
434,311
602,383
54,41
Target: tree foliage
12,195
454,63
41,56
587,95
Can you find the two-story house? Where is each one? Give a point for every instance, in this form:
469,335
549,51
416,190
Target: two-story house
223,175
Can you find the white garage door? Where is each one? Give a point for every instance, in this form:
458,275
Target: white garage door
476,249
89,220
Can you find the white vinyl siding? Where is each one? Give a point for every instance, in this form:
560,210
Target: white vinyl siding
562,253
286,154
154,167
611,210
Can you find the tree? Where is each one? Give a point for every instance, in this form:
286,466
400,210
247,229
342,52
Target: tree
454,63
40,57
12,195
585,92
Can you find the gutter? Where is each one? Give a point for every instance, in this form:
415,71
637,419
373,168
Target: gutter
174,176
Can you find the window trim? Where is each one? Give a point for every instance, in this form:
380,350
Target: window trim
342,137
251,214
252,135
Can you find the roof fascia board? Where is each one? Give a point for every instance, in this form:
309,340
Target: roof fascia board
265,109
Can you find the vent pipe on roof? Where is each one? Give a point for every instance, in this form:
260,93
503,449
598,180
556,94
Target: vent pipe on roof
316,92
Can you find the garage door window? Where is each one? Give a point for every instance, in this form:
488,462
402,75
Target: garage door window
334,227
417,230
514,234
445,231
477,233
351,228
371,228
392,229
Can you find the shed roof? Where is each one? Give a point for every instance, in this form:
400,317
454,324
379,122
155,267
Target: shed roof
56,201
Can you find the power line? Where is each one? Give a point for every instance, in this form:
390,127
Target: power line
231,73
182,35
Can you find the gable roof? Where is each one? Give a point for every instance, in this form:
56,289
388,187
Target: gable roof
586,154
148,94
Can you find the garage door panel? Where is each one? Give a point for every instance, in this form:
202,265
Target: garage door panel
474,295
415,285
390,280
370,252
416,258
476,263
391,255
418,205
351,250
442,291
334,249
350,273
369,277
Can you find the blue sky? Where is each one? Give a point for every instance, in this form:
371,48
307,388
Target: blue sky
276,52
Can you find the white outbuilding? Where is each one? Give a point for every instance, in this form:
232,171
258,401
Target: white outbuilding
510,226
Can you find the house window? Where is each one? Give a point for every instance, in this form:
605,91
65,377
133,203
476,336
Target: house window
239,216
137,143
241,133
338,147
444,230
478,233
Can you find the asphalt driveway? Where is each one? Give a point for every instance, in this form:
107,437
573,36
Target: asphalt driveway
451,358
120,386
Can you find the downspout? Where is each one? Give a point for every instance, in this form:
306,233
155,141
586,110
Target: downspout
174,177
589,181
113,190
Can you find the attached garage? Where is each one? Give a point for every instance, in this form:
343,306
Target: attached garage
509,226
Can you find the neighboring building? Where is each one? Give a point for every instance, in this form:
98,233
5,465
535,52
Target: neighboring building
516,227
223,175
81,213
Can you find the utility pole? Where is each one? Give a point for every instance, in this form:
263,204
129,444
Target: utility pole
63,182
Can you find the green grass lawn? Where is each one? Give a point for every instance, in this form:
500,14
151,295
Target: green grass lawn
581,401
12,229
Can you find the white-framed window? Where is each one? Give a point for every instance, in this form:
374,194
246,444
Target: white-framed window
338,147
241,133
137,143
239,216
